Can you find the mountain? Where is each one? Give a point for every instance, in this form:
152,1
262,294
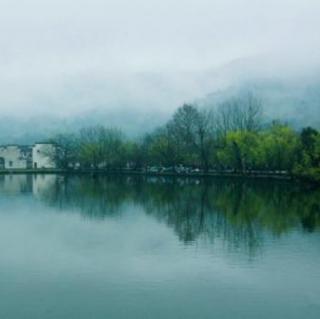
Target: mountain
287,93
295,103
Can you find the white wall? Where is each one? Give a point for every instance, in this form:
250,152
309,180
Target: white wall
14,157
41,157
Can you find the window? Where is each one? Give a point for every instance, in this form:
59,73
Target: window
10,163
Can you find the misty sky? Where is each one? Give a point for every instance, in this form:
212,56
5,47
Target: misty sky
63,56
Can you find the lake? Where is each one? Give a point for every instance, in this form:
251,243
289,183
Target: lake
143,247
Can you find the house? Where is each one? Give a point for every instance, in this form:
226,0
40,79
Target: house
43,155
39,155
15,156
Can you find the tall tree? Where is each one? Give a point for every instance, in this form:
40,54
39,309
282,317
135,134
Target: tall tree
192,130
309,137
65,154
239,114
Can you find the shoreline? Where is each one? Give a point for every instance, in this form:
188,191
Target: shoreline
260,175
297,179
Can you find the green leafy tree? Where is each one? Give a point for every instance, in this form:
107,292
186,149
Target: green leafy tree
279,147
240,151
309,138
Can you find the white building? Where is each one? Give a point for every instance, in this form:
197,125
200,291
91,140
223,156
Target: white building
42,155
15,156
39,155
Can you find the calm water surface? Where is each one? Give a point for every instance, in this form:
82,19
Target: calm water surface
111,247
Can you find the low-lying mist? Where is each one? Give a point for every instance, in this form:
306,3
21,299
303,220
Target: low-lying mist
138,103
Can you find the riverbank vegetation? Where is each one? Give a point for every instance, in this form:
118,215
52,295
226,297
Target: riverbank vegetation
233,137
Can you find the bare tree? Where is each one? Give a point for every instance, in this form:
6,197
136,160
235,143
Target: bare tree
65,150
239,114
205,137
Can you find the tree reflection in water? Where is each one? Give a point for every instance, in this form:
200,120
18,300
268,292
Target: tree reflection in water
239,212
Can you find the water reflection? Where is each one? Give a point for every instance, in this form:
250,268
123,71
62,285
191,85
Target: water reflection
241,213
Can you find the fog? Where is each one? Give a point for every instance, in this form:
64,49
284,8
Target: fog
67,58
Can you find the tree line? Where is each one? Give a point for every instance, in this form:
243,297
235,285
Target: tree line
234,137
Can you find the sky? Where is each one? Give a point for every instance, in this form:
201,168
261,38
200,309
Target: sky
67,56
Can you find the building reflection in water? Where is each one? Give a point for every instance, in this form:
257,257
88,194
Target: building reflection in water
26,183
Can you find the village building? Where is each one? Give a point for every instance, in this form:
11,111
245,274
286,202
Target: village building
37,156
42,155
